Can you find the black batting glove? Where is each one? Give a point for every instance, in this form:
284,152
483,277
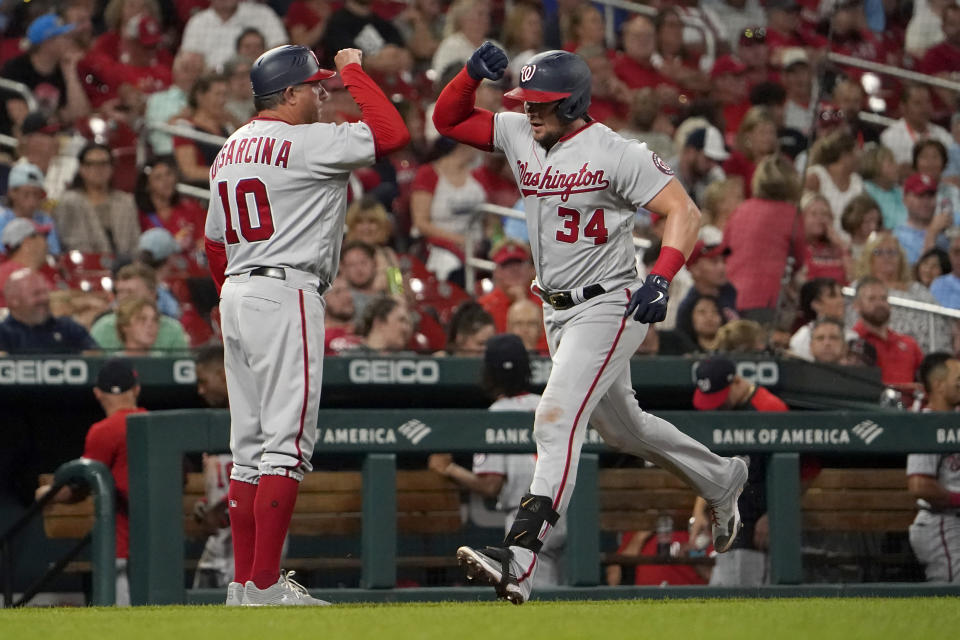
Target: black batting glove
488,61
649,303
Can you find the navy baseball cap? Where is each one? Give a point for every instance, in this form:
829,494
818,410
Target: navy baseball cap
505,352
714,377
116,376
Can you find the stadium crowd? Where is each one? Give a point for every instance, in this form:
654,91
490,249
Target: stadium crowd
802,190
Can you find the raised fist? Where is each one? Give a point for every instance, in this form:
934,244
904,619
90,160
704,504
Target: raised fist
488,61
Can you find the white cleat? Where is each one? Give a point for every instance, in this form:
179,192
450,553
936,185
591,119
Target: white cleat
234,594
285,593
725,515
492,566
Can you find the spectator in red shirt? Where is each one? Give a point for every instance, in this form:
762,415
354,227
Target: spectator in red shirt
674,59
25,242
645,543
761,233
161,206
208,114
609,96
755,55
729,89
635,66
512,276
898,355
756,138
586,31
943,61
338,319
784,27
827,253
117,389
305,21
116,15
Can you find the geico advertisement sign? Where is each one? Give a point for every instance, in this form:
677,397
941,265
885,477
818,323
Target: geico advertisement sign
49,371
763,372
394,371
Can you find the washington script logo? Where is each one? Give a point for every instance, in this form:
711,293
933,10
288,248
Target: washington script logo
555,183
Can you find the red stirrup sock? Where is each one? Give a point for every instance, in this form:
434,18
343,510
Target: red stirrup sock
243,527
273,508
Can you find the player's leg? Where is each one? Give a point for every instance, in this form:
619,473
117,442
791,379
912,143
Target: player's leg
287,360
246,441
935,540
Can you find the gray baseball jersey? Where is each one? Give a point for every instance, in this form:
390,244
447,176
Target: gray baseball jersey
580,199
278,194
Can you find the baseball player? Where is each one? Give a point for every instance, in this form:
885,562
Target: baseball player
582,184
934,479
507,476
278,192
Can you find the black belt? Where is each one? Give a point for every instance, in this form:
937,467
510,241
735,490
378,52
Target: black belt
270,272
564,299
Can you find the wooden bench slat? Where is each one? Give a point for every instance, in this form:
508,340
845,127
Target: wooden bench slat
860,479
638,479
857,520
857,499
627,499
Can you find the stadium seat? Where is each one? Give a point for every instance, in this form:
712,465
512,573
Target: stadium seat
430,335
441,296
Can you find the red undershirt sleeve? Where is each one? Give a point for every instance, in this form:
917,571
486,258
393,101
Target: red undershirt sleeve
389,130
217,260
455,115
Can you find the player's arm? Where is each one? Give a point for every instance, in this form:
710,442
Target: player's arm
216,260
924,487
389,130
455,115
487,485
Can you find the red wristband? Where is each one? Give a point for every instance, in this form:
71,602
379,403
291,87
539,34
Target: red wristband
668,263
954,499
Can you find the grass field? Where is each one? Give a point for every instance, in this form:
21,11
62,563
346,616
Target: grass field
813,618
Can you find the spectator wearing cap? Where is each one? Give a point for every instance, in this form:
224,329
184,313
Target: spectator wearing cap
512,276
797,79
25,195
160,206
699,162
163,106
729,89
898,355
828,253
833,173
730,18
49,70
924,227
30,327
914,125
137,280
116,16
155,248
39,144
635,67
26,246
93,217
720,388
946,288
213,32
755,55
709,272
117,389
756,139
762,234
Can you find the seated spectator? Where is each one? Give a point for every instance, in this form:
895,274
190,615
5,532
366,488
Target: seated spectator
785,28
82,306
729,90
942,60
30,327
760,236
946,288
525,319
756,139
586,31
797,79
93,217
708,272
208,114
25,196
880,181
931,265
422,28
924,226
930,159
214,31
26,246
833,174
522,35
827,343
137,280
898,355
752,50
161,206
250,44
239,93
385,327
849,97
358,265
338,318
912,127
368,222
163,106
883,258
700,321
860,219
827,253
50,65
305,21
512,274
137,326
356,25
773,97
952,173
741,336
39,144
676,57
720,200
609,96
647,123
635,66
116,15
444,193
468,22
470,328
646,544
156,247
698,165
819,298
925,29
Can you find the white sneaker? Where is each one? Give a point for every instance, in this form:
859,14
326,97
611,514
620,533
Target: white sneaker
725,515
496,567
285,592
234,594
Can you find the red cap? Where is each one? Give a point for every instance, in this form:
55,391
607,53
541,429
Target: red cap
704,250
510,251
919,184
145,28
727,64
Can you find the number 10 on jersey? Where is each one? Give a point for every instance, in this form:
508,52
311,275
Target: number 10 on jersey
247,187
570,232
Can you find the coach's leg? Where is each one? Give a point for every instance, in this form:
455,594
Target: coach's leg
246,439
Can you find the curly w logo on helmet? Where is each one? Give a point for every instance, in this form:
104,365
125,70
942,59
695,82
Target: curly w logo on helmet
527,72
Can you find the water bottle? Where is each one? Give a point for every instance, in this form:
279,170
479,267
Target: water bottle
664,534
394,281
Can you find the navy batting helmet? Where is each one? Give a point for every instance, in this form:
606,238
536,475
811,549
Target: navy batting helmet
556,75
286,66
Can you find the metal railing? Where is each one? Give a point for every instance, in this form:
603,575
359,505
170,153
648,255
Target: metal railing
20,89
896,72
932,310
